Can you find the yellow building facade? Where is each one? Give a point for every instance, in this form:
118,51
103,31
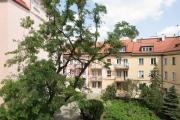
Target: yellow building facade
136,64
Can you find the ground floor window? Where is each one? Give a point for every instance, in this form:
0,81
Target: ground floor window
96,84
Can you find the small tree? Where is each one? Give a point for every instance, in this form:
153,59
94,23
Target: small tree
153,95
131,88
110,93
170,109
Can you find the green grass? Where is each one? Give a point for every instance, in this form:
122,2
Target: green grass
121,110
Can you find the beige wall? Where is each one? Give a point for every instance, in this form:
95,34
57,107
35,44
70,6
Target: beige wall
133,69
169,68
11,31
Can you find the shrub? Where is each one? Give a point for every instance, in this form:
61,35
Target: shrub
110,93
121,110
91,109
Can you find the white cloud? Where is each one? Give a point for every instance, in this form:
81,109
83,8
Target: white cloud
133,11
170,31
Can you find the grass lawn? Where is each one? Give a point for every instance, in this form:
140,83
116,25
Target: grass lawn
121,110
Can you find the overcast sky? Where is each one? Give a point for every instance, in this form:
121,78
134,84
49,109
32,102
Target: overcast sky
151,17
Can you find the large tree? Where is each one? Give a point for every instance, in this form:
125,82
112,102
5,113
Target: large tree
171,109
152,95
40,88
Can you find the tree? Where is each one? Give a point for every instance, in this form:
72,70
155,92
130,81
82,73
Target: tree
110,93
153,95
131,88
40,88
170,109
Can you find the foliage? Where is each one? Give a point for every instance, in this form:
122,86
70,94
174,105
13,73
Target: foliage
40,88
121,110
91,109
131,88
170,109
152,95
38,93
110,93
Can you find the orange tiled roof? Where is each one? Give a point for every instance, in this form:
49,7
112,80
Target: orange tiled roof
167,45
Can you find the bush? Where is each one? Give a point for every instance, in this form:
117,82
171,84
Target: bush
91,109
110,93
121,110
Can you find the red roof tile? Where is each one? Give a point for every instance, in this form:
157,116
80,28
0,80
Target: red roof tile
167,45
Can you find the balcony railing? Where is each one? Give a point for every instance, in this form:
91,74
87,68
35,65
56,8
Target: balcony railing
118,78
95,78
121,66
96,66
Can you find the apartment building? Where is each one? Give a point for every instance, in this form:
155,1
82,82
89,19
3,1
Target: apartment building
11,12
135,62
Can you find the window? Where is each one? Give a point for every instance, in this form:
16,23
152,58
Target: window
118,61
153,61
96,72
93,84
165,75
174,76
165,61
141,61
99,84
141,74
96,84
109,73
147,48
118,73
125,62
109,60
123,49
173,61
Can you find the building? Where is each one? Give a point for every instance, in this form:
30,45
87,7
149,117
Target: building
135,62
11,12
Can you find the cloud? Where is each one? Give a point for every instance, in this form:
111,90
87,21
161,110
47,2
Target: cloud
170,31
133,11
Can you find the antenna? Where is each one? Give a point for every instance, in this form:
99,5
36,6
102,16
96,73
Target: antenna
178,30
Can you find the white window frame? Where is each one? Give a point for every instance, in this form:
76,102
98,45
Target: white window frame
173,76
173,60
141,61
165,61
118,61
153,61
109,73
140,74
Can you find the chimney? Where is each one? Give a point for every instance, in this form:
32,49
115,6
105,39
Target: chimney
163,37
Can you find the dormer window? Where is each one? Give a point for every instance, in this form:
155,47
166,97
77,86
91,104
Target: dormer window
122,49
147,48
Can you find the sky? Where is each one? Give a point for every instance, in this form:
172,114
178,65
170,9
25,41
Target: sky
151,17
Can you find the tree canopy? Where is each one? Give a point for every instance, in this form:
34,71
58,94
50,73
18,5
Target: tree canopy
40,88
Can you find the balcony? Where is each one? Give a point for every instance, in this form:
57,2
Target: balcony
96,66
118,78
95,78
121,66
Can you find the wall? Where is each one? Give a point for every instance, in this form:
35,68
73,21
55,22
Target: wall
172,68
